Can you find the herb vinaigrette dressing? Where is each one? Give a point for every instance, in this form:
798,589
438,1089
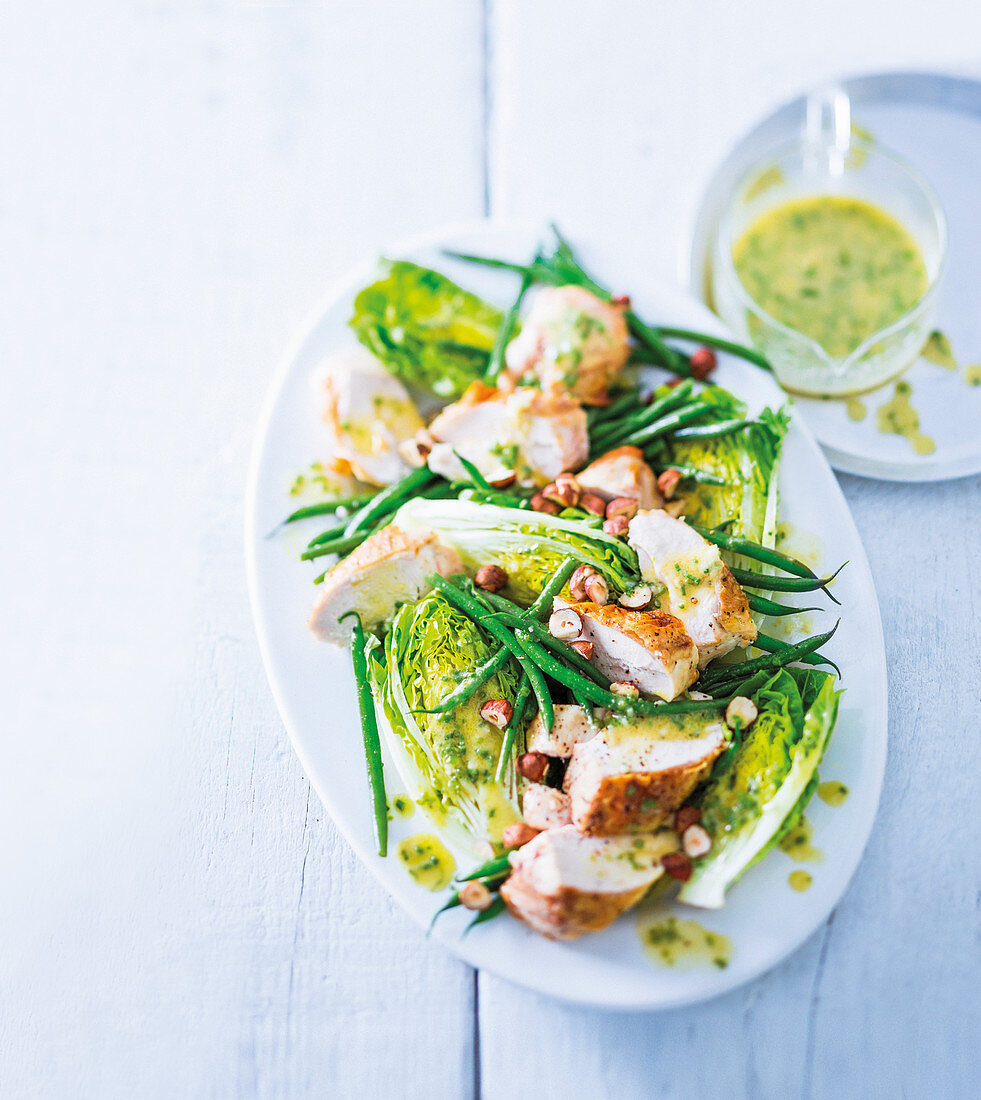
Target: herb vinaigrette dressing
428,860
834,268
671,941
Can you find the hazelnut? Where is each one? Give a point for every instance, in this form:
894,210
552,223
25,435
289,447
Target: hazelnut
474,895
667,482
674,383
741,713
540,504
577,582
497,711
622,506
504,482
687,815
585,648
597,589
491,578
702,362
622,301
563,491
625,688
677,865
594,505
516,836
411,452
619,527
637,598
695,841
532,766
565,624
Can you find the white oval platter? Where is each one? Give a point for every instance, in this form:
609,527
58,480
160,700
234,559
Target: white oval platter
314,687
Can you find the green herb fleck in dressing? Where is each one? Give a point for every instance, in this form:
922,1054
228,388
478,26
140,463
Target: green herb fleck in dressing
686,944
799,881
427,860
937,350
796,842
898,417
833,792
833,268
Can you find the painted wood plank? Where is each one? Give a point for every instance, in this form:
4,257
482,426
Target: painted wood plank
180,918
879,1003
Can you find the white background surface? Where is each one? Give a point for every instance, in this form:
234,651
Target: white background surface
180,182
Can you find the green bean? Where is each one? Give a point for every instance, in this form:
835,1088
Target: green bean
595,694
750,549
369,732
769,583
739,350
325,508
475,610
763,606
496,362
558,647
710,431
665,403
480,675
475,475
385,502
692,473
543,601
495,908
685,415
492,883
520,703
726,674
600,414
328,535
773,645
489,869
335,546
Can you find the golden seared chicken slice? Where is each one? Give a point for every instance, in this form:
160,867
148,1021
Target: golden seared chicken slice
544,807
564,884
368,413
569,727
701,591
622,473
648,648
633,775
520,432
573,342
387,569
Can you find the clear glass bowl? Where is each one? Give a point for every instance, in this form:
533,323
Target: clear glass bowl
805,169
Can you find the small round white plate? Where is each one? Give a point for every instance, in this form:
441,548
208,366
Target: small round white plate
313,684
934,122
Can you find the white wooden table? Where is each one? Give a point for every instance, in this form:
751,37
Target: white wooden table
178,916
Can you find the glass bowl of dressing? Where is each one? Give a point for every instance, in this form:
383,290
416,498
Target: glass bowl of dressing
828,259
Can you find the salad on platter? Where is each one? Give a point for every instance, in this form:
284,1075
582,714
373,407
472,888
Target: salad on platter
553,554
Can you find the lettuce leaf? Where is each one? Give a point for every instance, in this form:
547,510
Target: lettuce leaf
429,332
762,788
448,759
748,459
527,545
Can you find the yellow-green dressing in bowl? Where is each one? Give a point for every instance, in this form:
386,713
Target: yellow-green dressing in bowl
834,268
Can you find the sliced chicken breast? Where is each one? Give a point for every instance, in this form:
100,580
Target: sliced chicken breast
565,884
569,727
521,432
369,413
573,342
622,473
632,776
701,591
544,807
388,568
648,648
